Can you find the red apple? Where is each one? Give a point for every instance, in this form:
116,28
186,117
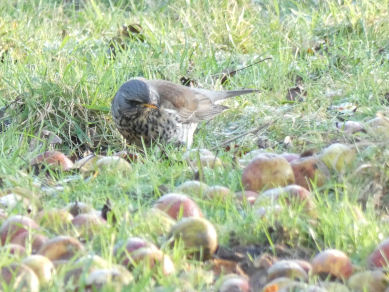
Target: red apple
332,262
380,256
27,239
15,225
123,252
13,249
177,204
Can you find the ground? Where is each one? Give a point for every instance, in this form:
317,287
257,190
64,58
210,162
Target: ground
326,62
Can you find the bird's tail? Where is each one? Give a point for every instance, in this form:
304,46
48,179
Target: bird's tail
220,95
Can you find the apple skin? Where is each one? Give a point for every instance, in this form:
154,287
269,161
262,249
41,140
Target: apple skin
53,158
198,236
333,262
292,195
132,244
380,256
234,283
173,204
287,268
19,277
310,169
246,196
267,171
13,249
376,281
150,257
218,193
15,225
56,220
41,266
61,248
338,157
192,187
26,239
88,224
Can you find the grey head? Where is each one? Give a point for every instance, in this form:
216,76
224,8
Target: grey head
134,96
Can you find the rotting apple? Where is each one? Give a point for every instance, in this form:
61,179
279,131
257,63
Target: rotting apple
267,171
310,170
197,235
52,159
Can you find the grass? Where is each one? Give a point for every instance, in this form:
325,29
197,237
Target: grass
55,58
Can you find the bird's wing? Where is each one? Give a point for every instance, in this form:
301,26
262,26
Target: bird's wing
191,106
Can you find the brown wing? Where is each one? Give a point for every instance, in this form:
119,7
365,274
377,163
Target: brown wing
191,106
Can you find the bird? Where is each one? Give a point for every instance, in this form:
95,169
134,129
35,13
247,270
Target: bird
145,111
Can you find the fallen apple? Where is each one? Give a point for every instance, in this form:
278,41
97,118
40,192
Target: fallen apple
42,267
245,197
88,224
376,281
288,269
18,277
114,164
15,225
177,206
149,257
52,159
123,251
338,157
310,170
197,235
332,262
61,247
12,249
380,256
31,241
192,187
218,193
267,171
88,163
56,220
234,283
108,279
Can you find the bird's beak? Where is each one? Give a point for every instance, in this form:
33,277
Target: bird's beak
151,105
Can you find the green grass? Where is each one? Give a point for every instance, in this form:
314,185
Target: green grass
56,59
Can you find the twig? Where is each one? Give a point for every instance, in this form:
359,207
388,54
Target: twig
243,134
234,72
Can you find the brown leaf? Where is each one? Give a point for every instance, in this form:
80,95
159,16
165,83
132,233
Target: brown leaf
45,136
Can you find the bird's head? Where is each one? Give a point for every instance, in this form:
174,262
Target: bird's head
134,96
